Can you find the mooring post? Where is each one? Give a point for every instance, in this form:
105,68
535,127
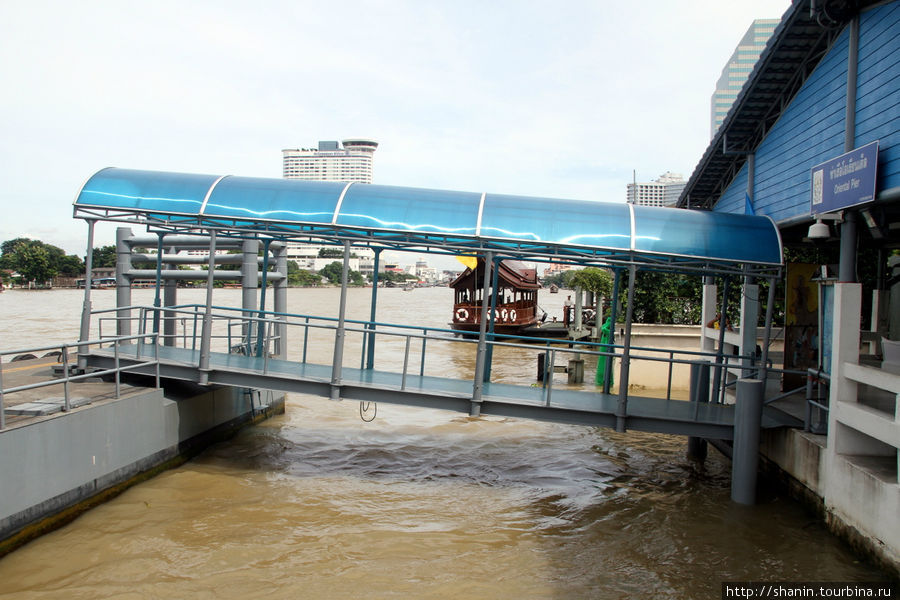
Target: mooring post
622,406
699,393
370,347
478,387
206,329
337,361
86,307
745,456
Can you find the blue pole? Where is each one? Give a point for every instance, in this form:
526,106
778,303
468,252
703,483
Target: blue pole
607,383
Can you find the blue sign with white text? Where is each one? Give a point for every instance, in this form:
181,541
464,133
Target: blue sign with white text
845,181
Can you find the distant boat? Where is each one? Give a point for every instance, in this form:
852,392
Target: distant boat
554,289
409,287
516,303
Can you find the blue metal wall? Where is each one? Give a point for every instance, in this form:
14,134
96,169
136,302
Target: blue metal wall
811,129
877,97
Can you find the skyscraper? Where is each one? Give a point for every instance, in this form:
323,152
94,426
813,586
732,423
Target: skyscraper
663,191
331,162
738,69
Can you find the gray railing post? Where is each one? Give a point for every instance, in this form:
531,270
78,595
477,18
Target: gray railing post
340,332
86,308
206,330
480,356
622,406
745,457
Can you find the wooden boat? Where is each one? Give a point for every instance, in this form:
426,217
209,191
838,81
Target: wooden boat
516,306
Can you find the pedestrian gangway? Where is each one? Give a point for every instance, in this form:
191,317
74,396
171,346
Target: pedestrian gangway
249,354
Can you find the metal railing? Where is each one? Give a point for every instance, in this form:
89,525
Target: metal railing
414,337
67,377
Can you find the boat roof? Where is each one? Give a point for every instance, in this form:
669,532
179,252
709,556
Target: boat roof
523,227
513,273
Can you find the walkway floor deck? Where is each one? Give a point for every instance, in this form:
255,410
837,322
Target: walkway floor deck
565,405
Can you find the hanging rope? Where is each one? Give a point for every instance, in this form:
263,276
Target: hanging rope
364,408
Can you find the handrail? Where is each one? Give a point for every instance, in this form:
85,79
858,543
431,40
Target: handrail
67,376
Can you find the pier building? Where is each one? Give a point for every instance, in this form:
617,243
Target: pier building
813,142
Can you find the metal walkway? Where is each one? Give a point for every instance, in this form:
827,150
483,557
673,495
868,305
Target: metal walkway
656,415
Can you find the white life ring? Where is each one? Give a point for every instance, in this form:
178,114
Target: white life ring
504,314
512,315
462,314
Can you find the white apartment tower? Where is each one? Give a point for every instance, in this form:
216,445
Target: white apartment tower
351,161
737,70
664,191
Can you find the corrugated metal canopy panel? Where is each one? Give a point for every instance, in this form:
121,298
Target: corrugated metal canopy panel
423,217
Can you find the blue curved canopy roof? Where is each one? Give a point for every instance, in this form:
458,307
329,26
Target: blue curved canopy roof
584,231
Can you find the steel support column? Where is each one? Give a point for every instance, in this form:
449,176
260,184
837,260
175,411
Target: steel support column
747,423
123,282
263,283
495,292
157,296
280,300
340,332
249,282
370,347
622,406
613,313
847,264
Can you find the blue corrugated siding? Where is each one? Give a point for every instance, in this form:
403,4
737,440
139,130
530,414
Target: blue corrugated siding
811,130
732,201
877,100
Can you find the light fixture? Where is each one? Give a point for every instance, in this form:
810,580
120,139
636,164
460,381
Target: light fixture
819,231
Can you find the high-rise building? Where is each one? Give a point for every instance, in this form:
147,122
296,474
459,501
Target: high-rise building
350,161
664,191
738,69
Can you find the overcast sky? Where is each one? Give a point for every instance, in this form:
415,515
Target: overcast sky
556,99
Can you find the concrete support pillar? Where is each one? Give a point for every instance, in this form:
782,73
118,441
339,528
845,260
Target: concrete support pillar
340,333
123,282
249,284
708,312
747,423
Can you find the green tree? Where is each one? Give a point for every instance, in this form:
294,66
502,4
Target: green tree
592,279
301,277
332,272
33,260
103,257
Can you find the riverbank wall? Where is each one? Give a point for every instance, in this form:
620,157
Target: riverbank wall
54,468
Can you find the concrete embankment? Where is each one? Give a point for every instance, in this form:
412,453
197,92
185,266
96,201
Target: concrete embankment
55,467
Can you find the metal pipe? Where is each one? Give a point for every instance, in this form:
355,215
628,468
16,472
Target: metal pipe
478,386
495,292
340,332
622,406
370,347
206,330
720,353
262,294
86,307
767,335
2,409
847,265
405,364
613,313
